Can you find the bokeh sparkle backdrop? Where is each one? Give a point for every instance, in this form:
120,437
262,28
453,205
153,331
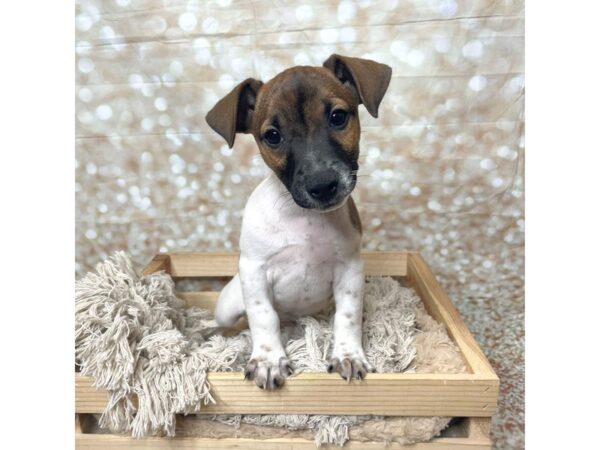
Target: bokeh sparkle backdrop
441,169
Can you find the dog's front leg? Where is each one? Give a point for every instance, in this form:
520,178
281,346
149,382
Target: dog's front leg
268,365
348,357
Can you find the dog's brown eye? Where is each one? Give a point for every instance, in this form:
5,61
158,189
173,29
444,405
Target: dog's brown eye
272,137
338,118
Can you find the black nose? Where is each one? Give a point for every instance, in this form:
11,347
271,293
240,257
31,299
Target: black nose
323,186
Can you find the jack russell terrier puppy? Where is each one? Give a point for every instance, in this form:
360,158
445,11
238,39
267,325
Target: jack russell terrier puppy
301,233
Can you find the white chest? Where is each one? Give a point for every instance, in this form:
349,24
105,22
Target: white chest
299,249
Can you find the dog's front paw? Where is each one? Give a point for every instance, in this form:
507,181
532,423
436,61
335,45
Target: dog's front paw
268,374
350,367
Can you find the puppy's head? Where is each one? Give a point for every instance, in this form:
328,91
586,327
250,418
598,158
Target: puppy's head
305,122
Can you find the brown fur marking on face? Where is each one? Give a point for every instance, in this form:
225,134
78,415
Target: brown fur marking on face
266,348
348,315
296,102
354,216
274,159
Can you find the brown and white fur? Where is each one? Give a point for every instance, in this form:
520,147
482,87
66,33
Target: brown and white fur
301,234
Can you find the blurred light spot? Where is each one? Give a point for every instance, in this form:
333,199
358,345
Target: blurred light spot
157,24
147,123
177,163
104,112
176,68
415,191
328,35
106,33
83,22
85,65
164,120
210,25
517,83
226,151
415,58
506,152
187,21
472,49
301,59
85,95
82,47
448,8
91,234
442,44
399,49
434,205
160,103
304,13
346,11
226,81
202,56
85,117
347,35
477,83
487,164
135,80
168,79
91,168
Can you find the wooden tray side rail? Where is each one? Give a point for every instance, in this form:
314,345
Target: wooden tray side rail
471,435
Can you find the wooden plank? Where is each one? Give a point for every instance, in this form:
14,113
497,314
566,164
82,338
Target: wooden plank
201,299
225,264
439,306
109,442
77,423
391,264
460,440
479,427
214,264
461,395
158,263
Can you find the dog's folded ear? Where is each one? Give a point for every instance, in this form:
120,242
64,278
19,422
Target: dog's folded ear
233,113
368,78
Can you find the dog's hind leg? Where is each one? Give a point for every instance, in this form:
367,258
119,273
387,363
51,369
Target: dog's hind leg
230,305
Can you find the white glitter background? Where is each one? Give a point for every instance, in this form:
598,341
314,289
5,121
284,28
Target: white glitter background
442,168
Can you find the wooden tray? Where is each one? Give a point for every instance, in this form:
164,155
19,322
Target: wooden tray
473,395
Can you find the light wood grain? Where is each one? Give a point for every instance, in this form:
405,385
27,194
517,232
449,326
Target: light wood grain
109,442
158,263
439,306
388,394
225,264
77,423
479,427
204,299
460,440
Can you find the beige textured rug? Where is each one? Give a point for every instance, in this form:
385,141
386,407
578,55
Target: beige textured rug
137,339
434,353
